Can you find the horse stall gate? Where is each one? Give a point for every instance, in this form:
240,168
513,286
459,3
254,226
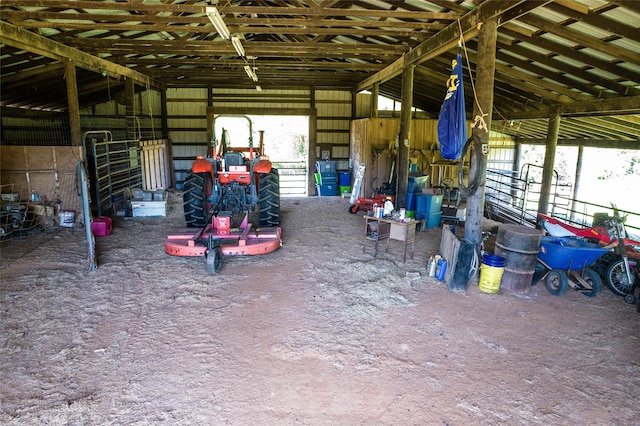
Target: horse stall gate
115,166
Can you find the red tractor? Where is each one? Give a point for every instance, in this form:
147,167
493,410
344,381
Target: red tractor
223,194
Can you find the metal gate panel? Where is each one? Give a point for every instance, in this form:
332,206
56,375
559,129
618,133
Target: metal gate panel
117,165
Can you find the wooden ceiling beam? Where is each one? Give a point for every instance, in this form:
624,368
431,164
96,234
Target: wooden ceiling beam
31,73
255,29
582,39
69,20
448,38
617,106
570,71
181,8
31,42
142,47
562,78
596,20
205,63
576,55
630,4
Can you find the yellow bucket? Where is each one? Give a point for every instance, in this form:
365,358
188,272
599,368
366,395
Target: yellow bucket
490,277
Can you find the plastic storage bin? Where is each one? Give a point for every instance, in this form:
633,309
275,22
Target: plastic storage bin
325,166
429,203
344,178
327,190
431,220
328,178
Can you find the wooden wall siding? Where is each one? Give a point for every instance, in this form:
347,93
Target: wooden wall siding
48,170
156,164
370,141
363,105
370,138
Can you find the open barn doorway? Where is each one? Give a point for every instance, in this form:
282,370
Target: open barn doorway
286,143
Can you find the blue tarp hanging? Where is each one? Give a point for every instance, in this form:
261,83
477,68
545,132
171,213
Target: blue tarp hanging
452,123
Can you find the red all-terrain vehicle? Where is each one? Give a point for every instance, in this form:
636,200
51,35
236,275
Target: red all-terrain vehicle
233,197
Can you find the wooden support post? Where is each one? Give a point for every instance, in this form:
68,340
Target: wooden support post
164,120
375,93
404,137
354,110
313,142
549,161
73,102
129,97
482,109
576,187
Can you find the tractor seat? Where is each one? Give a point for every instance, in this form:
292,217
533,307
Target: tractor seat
233,159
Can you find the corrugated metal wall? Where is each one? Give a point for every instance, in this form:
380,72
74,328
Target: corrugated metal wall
187,122
188,119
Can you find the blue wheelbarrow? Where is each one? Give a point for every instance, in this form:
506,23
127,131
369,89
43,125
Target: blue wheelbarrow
567,262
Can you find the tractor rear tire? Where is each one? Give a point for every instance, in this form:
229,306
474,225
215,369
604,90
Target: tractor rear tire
269,198
195,199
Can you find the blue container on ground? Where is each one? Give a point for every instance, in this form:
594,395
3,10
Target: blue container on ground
344,178
327,190
432,219
328,178
429,203
441,269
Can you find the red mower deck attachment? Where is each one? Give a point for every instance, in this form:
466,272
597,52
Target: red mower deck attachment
218,239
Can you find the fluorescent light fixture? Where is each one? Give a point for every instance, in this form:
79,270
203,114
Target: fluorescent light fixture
259,89
237,44
217,21
250,72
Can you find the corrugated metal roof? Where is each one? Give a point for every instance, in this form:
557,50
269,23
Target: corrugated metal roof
568,52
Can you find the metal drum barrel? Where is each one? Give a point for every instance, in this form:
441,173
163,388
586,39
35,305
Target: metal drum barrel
519,246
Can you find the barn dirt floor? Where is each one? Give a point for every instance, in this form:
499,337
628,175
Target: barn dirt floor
316,333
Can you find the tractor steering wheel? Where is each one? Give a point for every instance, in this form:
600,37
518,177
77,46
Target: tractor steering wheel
447,183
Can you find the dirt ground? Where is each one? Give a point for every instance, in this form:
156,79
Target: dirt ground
316,333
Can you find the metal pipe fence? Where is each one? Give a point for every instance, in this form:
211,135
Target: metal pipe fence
293,178
512,199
